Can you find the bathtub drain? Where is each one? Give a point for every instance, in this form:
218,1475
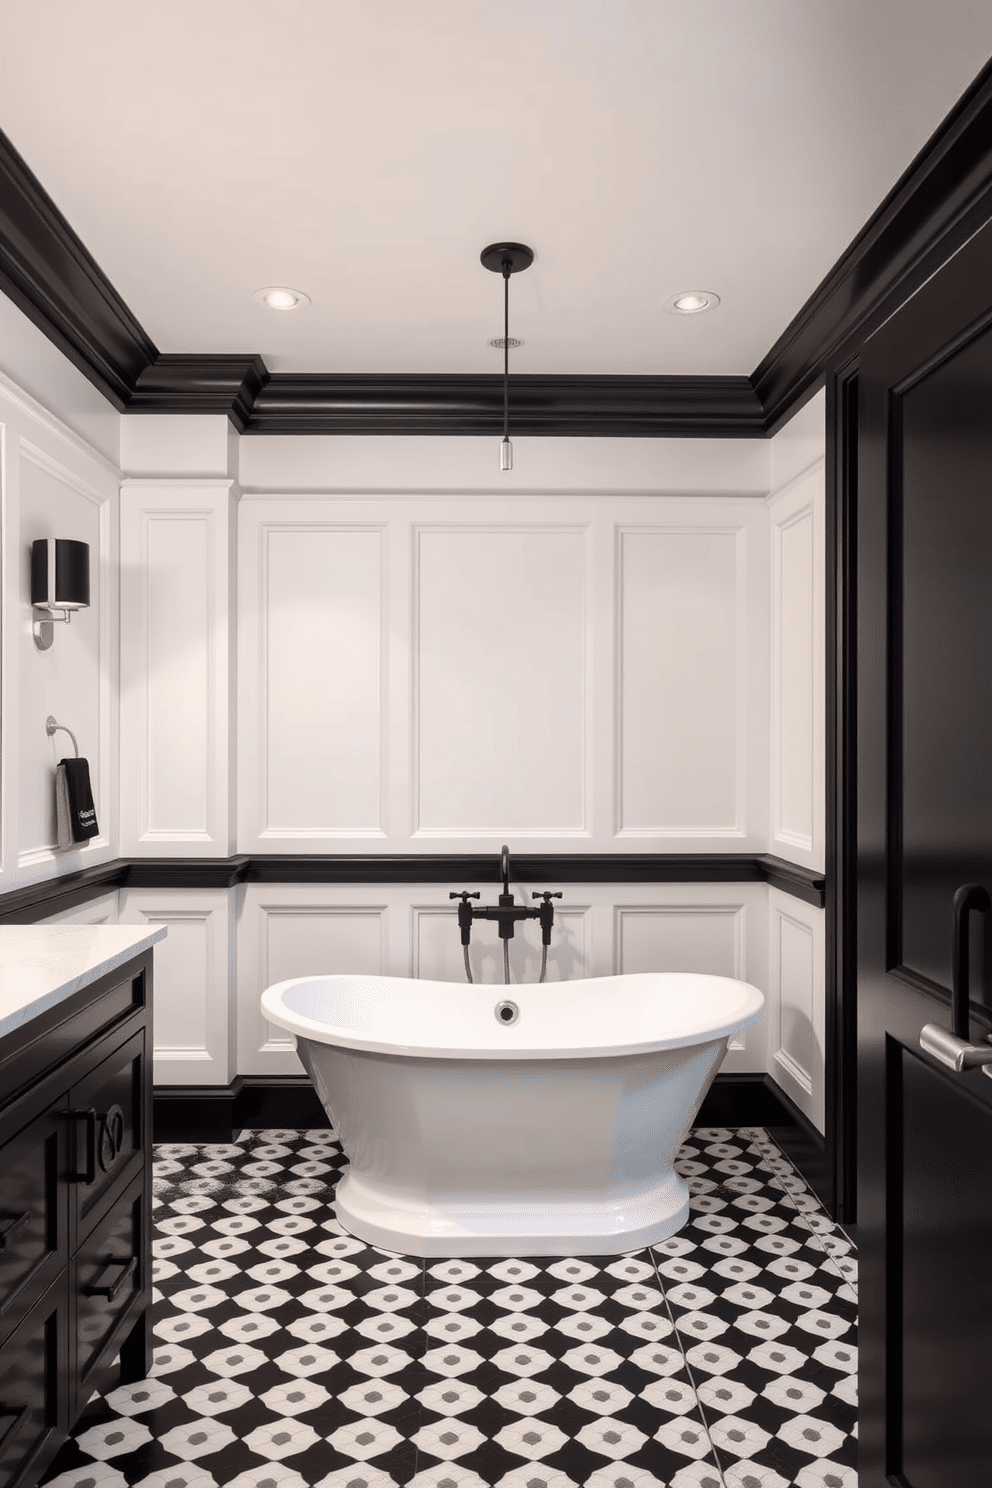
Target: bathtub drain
507,1012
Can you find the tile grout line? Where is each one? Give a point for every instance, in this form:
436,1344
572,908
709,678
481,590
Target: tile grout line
688,1369
829,1260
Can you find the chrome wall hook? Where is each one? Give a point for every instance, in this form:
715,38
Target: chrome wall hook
51,727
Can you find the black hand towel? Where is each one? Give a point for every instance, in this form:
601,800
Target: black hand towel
74,809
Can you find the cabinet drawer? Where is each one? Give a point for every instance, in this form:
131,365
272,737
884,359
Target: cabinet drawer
41,1044
107,1116
34,1413
33,1211
109,1275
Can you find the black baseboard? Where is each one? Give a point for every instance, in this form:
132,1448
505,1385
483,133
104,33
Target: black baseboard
217,1114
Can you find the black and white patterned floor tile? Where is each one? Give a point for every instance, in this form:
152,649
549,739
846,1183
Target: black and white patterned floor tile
290,1355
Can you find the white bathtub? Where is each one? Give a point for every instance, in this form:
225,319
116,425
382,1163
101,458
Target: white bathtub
551,1135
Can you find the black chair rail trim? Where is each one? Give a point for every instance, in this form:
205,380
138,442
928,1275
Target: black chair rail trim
49,273
57,895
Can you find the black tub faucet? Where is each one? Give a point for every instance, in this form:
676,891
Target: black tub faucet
506,913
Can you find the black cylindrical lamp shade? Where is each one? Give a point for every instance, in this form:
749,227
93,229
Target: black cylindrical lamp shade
60,574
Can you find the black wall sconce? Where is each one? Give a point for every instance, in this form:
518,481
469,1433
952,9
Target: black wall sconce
60,580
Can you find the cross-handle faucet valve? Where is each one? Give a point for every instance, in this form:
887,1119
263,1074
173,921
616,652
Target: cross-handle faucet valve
546,913
464,914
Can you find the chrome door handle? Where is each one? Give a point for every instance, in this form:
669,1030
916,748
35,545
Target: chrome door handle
950,1045
955,1052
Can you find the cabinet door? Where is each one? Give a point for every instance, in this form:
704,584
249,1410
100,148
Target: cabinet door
34,1393
108,1120
109,1279
33,1210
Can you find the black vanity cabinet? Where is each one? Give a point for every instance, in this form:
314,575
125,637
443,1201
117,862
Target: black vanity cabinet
75,1211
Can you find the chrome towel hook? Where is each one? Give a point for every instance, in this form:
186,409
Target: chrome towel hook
51,727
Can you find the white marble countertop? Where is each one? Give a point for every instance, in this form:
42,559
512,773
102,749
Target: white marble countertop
41,965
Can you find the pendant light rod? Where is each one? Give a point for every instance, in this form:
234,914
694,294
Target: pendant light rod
506,259
507,271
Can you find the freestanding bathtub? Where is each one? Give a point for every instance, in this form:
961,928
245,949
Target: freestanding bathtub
512,1121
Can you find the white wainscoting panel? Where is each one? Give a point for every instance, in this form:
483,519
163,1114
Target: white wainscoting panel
798,766
176,668
714,929
680,937
682,676
501,681
313,675
556,670
193,990
796,1025
299,930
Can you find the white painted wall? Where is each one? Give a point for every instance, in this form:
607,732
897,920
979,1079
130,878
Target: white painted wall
54,483
564,673
620,647
797,754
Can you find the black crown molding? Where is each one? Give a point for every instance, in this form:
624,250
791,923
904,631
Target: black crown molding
944,196
940,200
651,407
50,275
200,384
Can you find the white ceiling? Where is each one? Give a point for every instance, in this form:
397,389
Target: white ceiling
365,151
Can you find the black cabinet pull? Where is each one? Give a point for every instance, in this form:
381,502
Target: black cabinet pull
90,1118
16,1426
112,1289
11,1228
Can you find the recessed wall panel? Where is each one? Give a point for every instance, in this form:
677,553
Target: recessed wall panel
797,1038
316,942
500,702
681,697
795,1011
323,690
183,998
793,680
706,939
175,671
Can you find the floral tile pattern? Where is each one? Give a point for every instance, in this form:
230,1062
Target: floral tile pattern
291,1355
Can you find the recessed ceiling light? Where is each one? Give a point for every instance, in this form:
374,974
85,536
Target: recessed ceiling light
500,341
279,297
692,302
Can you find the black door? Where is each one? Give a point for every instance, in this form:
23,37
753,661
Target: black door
924,627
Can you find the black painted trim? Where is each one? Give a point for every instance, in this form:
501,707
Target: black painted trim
50,275
939,201
841,1052
201,384
944,196
653,407
184,873
55,895
196,1113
